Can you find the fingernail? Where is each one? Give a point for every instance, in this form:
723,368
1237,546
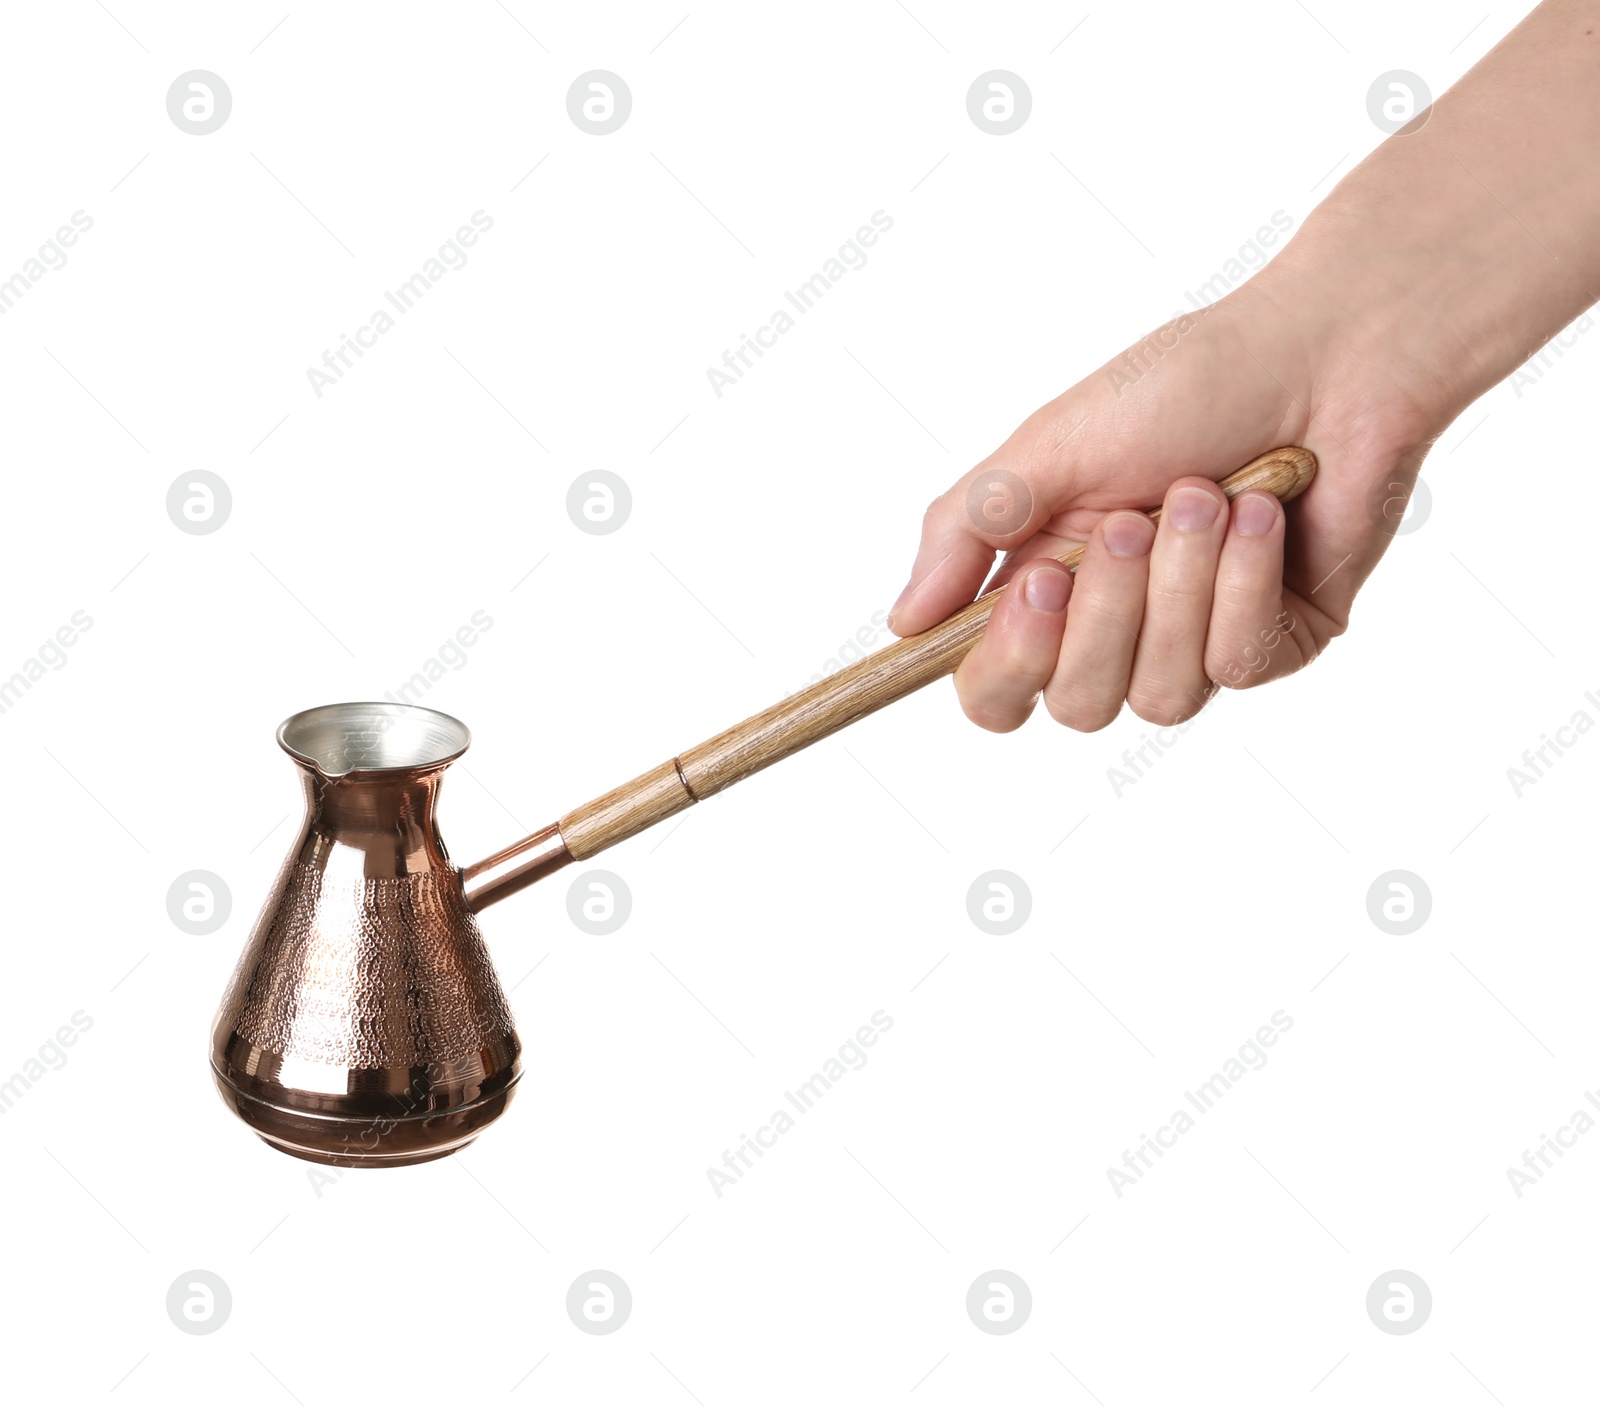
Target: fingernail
1255,514
1046,589
1129,534
1192,510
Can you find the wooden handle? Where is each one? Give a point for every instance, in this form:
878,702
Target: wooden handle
839,700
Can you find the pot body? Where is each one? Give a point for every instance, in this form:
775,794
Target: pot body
364,1025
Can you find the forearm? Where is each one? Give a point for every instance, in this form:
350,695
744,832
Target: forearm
1450,255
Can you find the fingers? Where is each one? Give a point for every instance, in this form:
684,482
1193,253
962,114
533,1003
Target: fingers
1248,622
1090,680
1159,616
1000,679
1169,682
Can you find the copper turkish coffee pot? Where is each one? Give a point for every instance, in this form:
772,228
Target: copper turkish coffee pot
364,1025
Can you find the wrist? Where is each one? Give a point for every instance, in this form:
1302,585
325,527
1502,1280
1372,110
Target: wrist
1456,250
1342,352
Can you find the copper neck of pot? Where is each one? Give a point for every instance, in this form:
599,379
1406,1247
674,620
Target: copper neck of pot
391,819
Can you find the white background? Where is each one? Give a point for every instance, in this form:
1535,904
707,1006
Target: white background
767,527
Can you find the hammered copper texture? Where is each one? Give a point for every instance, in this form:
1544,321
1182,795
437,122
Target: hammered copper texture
367,973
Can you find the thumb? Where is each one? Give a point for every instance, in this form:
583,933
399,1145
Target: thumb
997,507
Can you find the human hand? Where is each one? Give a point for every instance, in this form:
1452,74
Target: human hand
1217,596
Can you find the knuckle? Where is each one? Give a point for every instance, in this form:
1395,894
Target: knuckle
1238,600
1230,672
1081,712
1255,656
1108,615
1180,595
1164,708
993,716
